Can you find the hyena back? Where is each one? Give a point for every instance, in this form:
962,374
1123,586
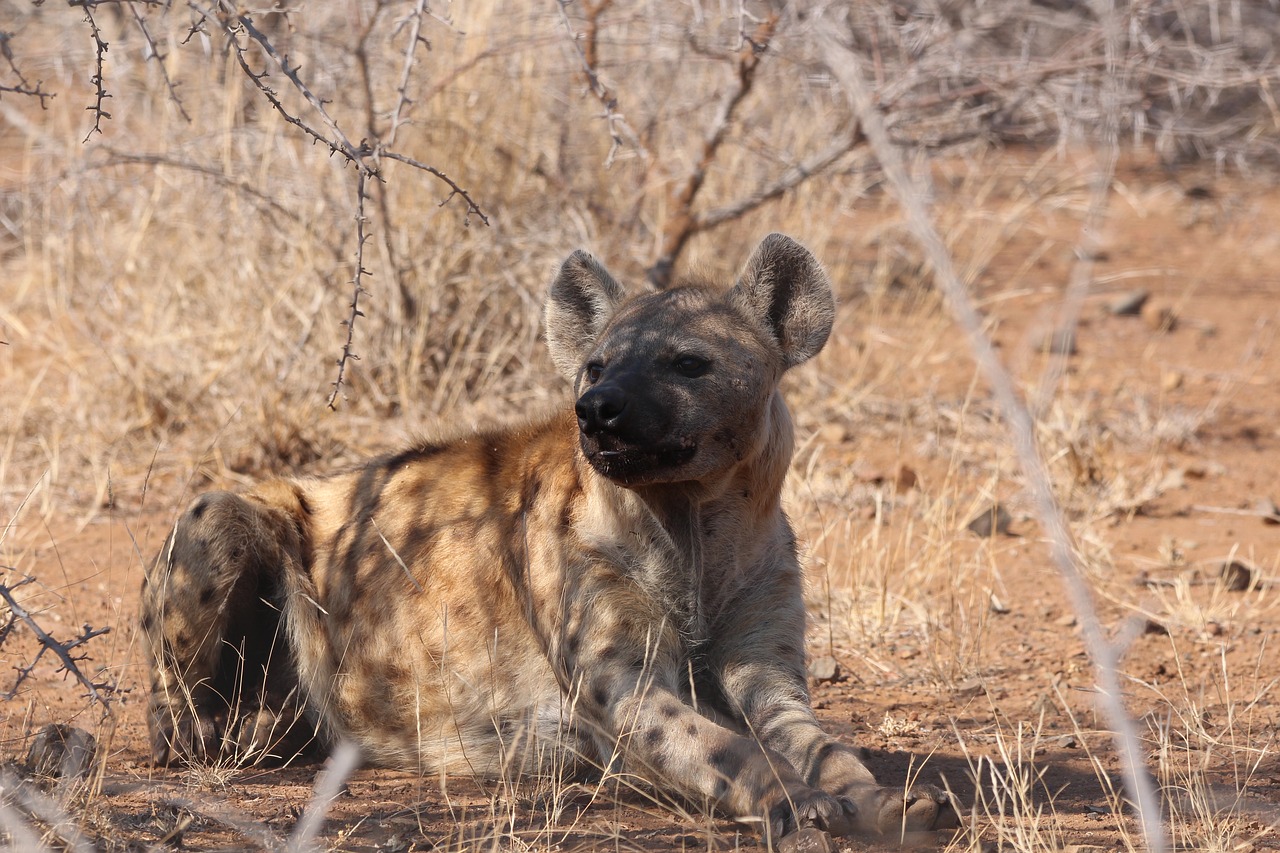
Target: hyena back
611,586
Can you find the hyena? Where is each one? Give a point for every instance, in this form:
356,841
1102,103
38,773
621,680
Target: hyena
614,586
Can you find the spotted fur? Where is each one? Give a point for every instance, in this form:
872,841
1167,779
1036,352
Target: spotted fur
614,586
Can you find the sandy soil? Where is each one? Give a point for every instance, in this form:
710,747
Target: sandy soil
1190,409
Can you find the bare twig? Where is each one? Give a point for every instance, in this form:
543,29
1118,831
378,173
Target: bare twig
843,142
17,613
843,65
24,87
225,16
365,157
338,139
154,53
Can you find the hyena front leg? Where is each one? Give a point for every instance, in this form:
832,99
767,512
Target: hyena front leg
625,675
761,666
221,677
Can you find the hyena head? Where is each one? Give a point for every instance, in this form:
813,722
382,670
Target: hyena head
676,385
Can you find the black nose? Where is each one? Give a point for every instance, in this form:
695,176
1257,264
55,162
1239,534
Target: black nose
601,408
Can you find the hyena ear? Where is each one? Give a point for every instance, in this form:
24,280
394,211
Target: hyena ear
784,288
583,297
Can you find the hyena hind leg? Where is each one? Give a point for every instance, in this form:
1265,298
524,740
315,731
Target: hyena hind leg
222,680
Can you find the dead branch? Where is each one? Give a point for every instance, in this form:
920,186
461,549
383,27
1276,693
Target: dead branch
589,58
48,643
844,141
682,223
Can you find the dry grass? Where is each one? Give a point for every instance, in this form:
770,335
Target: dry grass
172,293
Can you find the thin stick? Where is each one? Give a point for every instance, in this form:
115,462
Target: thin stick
341,764
843,65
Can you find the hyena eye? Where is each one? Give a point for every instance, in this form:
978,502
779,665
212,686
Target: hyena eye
594,369
691,365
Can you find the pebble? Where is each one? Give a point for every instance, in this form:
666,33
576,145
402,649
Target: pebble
807,840
994,519
1161,318
1059,342
1238,576
1268,510
1129,303
825,669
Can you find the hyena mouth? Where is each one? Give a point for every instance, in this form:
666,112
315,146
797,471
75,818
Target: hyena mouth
631,463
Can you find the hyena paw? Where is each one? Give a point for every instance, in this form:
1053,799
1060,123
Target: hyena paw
266,736
181,736
891,812
810,809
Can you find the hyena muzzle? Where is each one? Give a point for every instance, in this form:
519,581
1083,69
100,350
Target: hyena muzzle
612,587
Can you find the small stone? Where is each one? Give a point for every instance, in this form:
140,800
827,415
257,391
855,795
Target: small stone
994,519
998,606
1238,576
1171,380
1161,318
1129,303
1151,626
807,840
832,433
1067,621
1174,479
825,670
1058,342
1268,510
60,751
1044,706
905,480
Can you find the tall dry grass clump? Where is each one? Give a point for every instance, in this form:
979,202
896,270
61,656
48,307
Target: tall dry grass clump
179,251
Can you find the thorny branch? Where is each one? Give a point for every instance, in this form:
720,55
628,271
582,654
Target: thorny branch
357,289
17,613
366,157
455,190
24,87
98,79
403,101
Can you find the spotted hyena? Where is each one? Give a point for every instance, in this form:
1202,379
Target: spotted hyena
612,587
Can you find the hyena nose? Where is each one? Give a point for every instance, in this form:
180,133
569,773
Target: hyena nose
601,408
